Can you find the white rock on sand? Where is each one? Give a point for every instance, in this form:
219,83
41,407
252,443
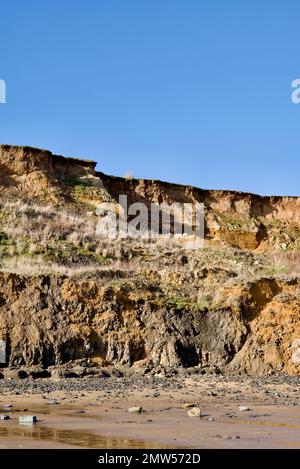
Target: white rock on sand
135,410
194,412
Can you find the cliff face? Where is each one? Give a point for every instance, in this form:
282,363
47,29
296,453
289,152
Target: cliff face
50,320
241,219
34,173
66,295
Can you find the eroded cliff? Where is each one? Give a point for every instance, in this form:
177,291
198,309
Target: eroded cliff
65,295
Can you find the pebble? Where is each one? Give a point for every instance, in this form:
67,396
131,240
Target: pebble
135,410
53,402
243,408
194,412
27,419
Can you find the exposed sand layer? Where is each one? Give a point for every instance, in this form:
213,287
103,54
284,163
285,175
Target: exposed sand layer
86,417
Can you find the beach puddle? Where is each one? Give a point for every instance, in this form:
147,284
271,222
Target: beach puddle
77,438
41,431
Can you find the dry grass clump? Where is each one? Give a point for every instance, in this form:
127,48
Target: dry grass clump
32,266
45,222
286,261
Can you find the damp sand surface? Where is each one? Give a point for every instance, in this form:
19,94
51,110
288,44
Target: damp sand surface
83,417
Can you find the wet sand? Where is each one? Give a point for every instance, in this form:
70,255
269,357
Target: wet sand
273,420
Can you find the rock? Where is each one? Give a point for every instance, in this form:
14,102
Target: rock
11,373
135,410
76,372
92,372
117,373
4,417
195,370
211,370
57,373
194,412
243,408
36,372
53,402
183,260
211,419
27,419
296,352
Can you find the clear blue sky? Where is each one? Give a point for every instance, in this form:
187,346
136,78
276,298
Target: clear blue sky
190,91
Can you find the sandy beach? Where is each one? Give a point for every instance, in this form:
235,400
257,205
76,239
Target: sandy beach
78,414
